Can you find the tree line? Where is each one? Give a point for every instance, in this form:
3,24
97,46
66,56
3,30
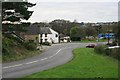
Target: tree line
78,30
73,29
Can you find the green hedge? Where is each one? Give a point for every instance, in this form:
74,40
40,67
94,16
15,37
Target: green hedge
6,46
30,45
109,52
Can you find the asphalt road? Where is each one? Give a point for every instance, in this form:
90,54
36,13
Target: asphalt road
57,54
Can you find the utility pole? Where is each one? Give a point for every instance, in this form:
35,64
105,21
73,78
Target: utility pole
108,35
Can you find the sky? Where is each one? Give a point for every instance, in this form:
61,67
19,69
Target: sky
82,11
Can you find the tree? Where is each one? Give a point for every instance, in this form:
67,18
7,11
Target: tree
77,33
14,12
65,31
61,26
89,31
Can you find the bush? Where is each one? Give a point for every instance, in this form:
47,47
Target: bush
15,39
100,49
113,43
46,43
114,53
109,52
30,45
75,38
6,46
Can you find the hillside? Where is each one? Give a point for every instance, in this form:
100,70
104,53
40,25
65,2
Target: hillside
14,49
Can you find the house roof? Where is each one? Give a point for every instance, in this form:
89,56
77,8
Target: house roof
34,30
62,35
45,30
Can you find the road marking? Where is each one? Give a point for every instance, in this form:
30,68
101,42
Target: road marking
13,66
34,61
43,59
58,51
51,56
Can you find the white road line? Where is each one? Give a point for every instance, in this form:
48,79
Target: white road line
50,57
43,59
13,66
34,61
58,51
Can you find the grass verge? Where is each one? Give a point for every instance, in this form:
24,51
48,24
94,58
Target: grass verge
85,64
18,54
100,40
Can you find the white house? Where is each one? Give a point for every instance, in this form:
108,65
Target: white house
48,35
64,38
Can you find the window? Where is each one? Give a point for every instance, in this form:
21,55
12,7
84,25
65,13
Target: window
45,35
56,35
41,35
45,40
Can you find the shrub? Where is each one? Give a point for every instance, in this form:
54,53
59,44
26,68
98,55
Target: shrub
114,53
6,46
113,43
30,45
15,39
109,52
100,49
46,43
8,42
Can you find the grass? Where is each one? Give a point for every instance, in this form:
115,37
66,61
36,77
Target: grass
15,57
100,40
14,49
86,40
19,53
85,64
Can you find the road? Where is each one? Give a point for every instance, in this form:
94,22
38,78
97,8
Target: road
56,55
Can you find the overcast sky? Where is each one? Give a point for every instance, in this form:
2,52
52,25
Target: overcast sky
48,10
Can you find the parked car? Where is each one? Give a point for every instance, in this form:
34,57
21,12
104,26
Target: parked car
90,46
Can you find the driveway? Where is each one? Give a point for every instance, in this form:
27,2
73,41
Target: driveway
55,55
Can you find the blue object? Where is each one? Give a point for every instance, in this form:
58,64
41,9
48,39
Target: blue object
100,35
110,35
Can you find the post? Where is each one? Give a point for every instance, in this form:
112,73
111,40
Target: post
108,36
98,29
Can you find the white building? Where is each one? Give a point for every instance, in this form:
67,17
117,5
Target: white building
48,35
64,38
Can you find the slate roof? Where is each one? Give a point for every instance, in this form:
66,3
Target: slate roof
34,30
45,30
62,35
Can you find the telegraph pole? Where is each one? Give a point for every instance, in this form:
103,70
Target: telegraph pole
108,36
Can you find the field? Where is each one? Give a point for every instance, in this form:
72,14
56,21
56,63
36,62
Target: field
85,64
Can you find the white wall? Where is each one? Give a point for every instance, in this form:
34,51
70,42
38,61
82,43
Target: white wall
50,37
53,36
65,39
